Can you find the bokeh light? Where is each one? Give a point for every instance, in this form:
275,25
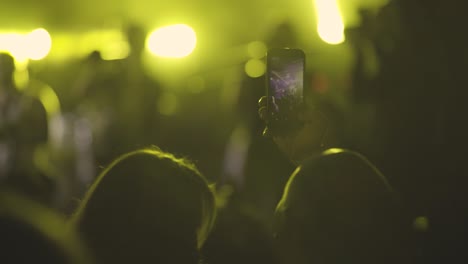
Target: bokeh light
421,224
255,68
256,49
34,45
38,44
174,41
330,24
14,44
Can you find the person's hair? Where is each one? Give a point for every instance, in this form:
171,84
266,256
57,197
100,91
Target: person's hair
31,233
147,206
338,208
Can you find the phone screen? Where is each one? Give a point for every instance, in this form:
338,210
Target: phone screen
285,83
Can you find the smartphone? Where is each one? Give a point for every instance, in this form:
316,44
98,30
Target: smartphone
285,86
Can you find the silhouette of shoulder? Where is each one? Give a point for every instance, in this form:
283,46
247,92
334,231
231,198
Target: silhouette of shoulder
338,207
337,180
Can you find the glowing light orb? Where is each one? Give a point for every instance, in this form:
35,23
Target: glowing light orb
257,49
38,44
174,41
255,68
330,25
34,45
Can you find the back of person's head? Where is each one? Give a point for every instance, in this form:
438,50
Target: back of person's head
338,208
147,206
33,234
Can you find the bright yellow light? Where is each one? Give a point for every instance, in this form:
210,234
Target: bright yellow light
255,68
175,41
38,44
21,75
34,45
9,40
14,43
330,25
50,100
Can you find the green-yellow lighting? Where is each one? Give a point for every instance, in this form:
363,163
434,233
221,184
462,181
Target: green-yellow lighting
12,43
168,104
330,25
21,74
50,100
257,49
421,223
112,44
174,41
255,68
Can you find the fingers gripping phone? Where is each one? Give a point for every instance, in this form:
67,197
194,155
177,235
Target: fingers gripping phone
285,87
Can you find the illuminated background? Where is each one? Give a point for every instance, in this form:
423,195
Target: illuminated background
422,106
212,36
218,25
200,51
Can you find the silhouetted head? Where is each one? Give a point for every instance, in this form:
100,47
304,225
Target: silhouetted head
94,57
136,37
337,208
32,234
147,207
282,36
7,68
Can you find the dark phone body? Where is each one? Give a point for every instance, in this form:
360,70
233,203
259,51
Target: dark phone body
285,87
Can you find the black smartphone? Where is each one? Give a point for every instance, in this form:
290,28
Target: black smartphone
285,86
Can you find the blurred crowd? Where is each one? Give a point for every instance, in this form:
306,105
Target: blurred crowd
92,171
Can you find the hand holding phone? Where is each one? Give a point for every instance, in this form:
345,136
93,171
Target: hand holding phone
285,88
